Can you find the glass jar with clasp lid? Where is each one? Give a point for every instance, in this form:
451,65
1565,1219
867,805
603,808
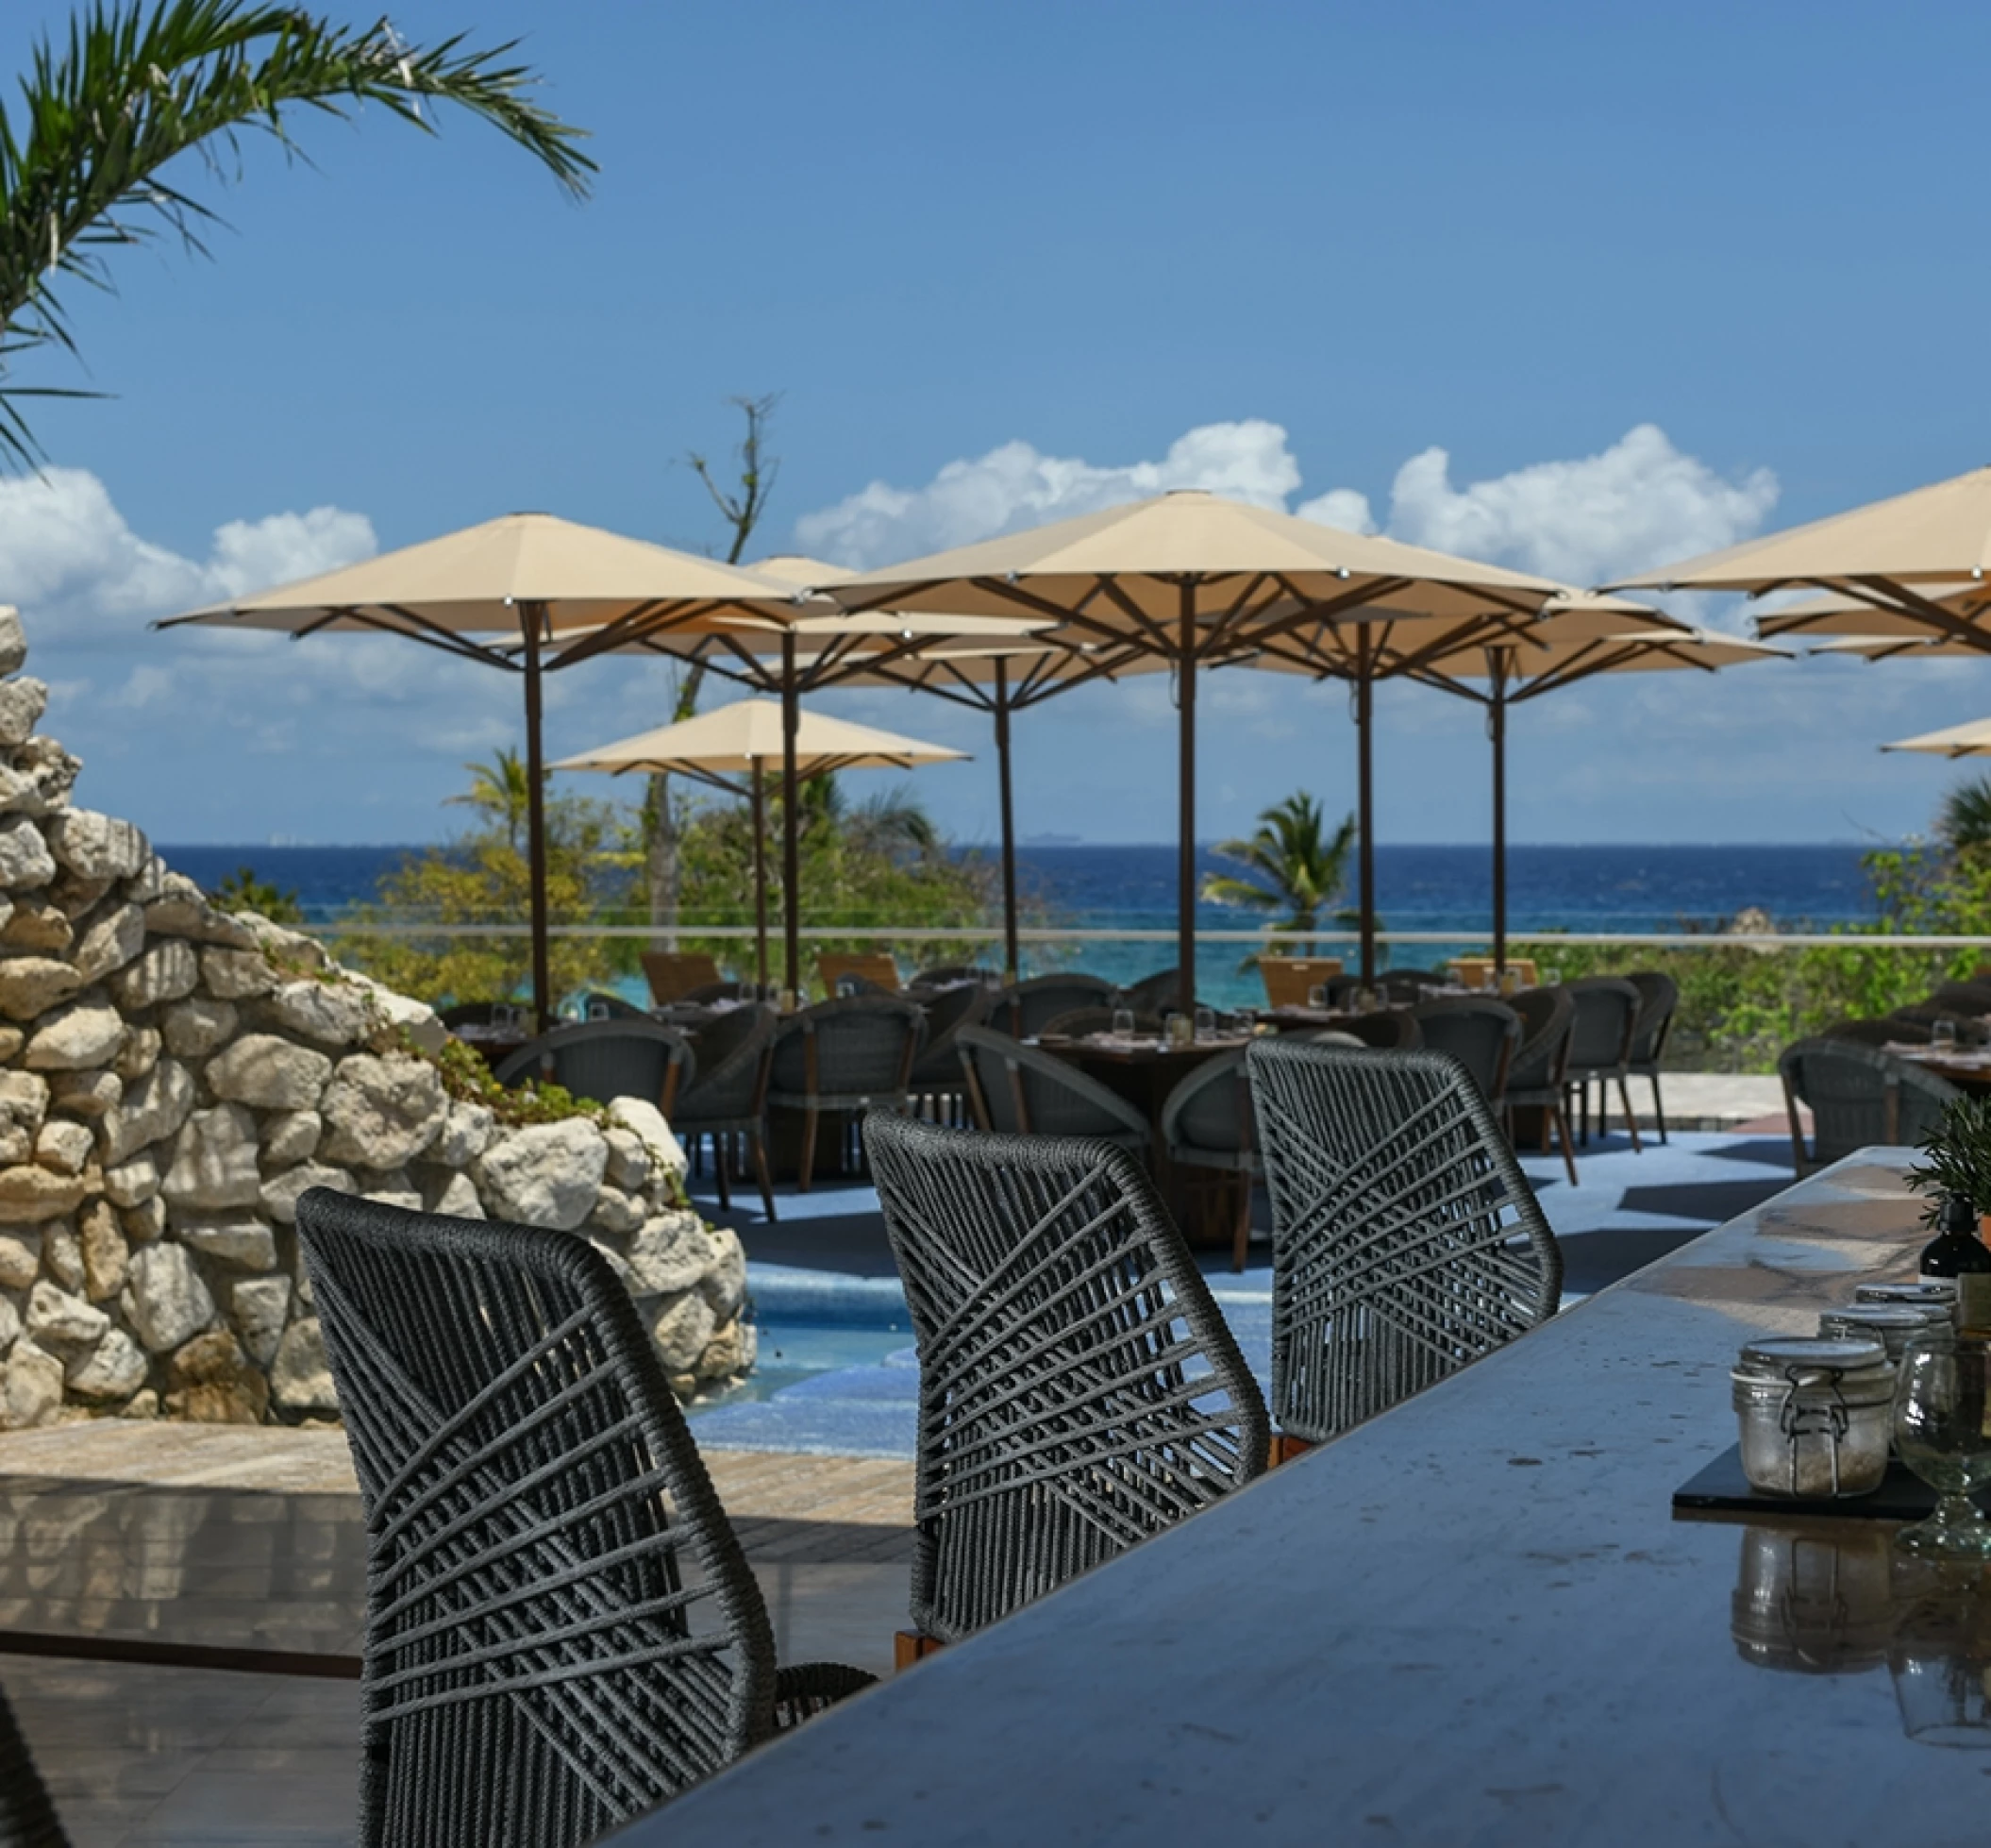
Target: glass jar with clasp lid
1892,1324
1814,1416
1937,1290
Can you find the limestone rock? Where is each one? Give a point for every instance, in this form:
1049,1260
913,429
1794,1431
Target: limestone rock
23,1098
723,1284
50,773
236,1238
234,975
166,1301
16,1145
331,1013
290,1137
32,984
13,641
63,1147
286,948
269,1072
115,1369
75,895
629,1159
151,1111
106,1262
182,911
95,846
301,1377
131,1182
141,1053
76,1038
729,1352
10,1323
194,1027
670,1254
168,969
468,1130
86,1093
11,1038
57,1319
22,704
111,942
258,1306
392,1188
458,1198
145,1221
214,1159
680,1327
642,1115
141,1404
34,925
615,1212
383,1112
25,862
210,1381
62,1254
546,1174
30,1387
20,1258
30,1196
279,1195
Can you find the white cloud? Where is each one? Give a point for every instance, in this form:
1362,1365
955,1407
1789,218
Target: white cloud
1018,485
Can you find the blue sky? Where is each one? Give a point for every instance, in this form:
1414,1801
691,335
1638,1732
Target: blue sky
1649,279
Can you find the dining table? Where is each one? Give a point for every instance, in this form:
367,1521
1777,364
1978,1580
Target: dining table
1968,1067
1476,1619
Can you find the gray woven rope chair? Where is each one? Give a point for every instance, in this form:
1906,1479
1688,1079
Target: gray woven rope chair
1607,1008
562,1630
1967,1000
1084,1020
1971,1031
1659,1000
469,1014
1406,1242
1408,985
1482,1034
1391,1030
1538,1078
937,1083
27,1818
1887,1030
1857,1094
1077,1390
733,1053
1023,1011
853,1054
607,1059
943,974
1153,993
1206,1122
1018,1090
603,1005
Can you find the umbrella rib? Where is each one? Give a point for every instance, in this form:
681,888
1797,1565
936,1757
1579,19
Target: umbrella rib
1911,604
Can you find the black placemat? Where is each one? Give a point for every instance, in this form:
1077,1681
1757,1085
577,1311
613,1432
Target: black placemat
1722,1489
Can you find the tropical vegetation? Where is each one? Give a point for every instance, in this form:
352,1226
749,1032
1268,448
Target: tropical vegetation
1293,865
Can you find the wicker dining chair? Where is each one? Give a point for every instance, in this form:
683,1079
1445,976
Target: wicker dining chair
1084,1020
562,1629
1153,993
1482,1033
607,1059
1079,1390
1018,1090
1388,1030
1406,1241
1887,1030
1659,1002
27,1818
733,1055
851,1054
1607,1010
1538,1077
1023,1009
937,1081
1857,1094
1206,1122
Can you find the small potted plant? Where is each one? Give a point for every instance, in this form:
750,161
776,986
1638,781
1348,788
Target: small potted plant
1956,1159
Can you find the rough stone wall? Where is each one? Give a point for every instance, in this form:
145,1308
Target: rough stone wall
173,1077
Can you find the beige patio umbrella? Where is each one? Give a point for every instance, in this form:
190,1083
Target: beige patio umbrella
742,739
1192,579
529,594
1972,739
1839,624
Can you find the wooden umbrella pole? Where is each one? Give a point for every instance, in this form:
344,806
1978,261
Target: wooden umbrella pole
1496,731
1009,956
791,822
760,824
1364,804
531,616
1185,895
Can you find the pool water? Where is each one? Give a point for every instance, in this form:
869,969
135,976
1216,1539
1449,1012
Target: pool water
792,1352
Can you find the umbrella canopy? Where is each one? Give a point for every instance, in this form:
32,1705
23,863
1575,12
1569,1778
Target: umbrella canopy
742,740
527,592
1835,615
1191,578
1969,740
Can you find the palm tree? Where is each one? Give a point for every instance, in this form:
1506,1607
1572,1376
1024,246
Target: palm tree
501,790
137,84
1294,866
1963,821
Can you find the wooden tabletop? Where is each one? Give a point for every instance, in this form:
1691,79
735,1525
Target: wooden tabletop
1143,1050
1474,1619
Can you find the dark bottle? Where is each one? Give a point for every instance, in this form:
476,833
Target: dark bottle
1956,1251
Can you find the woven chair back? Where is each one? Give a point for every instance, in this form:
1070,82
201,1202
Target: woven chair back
562,1629
1968,1000
732,1054
874,967
674,974
1482,1034
1406,1241
1084,1020
863,1047
1290,981
1152,993
1541,1061
1971,1031
938,1067
27,1818
1408,985
1077,1390
605,1004
1208,1114
607,1059
1391,1030
1884,1031
1018,1090
1024,1011
1606,1016
1860,1096
942,973
1658,1002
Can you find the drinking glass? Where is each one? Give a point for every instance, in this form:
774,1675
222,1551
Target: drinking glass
504,1015
1942,1035
1123,1023
1942,1427
1205,1023
1552,978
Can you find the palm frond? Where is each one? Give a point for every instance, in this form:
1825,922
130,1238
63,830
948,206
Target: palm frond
136,86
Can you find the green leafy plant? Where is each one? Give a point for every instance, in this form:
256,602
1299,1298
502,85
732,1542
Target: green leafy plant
1291,863
242,891
1957,1155
136,86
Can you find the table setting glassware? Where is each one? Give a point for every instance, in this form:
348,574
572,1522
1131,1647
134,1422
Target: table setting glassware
1942,1428
1205,1025
1123,1023
1813,1415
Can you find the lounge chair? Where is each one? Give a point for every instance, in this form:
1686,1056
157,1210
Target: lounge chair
1857,1094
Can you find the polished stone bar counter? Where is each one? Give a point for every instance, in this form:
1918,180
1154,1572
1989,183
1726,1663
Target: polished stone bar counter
1474,1619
